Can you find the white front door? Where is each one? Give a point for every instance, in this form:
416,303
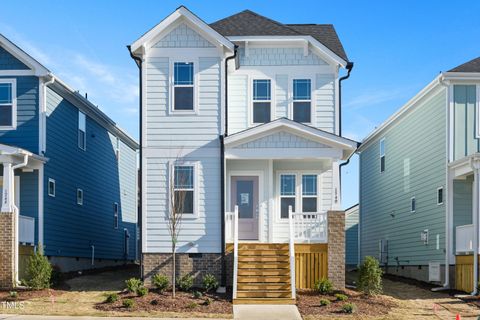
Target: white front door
244,194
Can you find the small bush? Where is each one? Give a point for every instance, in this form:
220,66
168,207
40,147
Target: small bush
197,294
57,276
13,294
133,284
192,305
210,283
370,277
323,286
161,282
185,283
349,308
142,291
128,303
207,302
341,297
324,302
111,298
39,271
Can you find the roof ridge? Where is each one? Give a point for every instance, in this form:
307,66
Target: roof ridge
309,24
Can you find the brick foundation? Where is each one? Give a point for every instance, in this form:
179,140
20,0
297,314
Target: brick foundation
336,248
7,250
196,264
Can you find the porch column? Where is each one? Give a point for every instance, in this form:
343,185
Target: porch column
336,248
7,192
8,234
475,218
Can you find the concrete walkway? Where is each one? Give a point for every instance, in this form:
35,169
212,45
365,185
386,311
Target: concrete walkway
25,317
266,312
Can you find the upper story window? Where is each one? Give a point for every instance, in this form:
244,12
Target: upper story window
184,189
309,193
302,100
262,101
115,215
287,194
8,104
382,155
82,131
183,86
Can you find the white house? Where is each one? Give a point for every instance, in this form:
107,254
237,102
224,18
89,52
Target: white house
242,116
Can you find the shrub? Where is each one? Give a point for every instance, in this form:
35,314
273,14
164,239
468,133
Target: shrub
370,277
323,286
341,297
142,291
133,284
324,302
39,271
197,294
161,282
128,303
111,298
210,283
192,305
207,302
13,294
349,308
185,283
57,276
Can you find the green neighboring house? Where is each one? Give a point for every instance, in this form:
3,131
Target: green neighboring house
418,173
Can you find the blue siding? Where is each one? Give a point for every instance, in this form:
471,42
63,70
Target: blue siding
9,62
26,134
29,196
71,229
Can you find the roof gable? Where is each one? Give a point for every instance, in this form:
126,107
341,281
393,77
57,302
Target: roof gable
9,62
281,139
182,36
22,57
470,66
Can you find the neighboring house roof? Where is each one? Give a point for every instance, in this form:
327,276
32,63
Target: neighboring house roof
249,23
352,209
470,66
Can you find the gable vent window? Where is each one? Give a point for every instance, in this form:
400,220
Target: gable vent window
413,205
261,101
382,155
82,131
183,86
115,215
302,101
440,196
80,197
8,101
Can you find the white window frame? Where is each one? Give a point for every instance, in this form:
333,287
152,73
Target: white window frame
280,197
172,85
13,83
292,101
82,117
443,195
317,196
195,165
80,199
251,100
50,180
413,205
117,149
116,215
382,155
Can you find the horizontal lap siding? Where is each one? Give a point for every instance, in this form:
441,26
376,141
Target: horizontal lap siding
351,237
71,229
237,103
281,95
9,62
29,196
462,204
421,138
325,102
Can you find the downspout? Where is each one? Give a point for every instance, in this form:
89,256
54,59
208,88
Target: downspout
476,188
349,68
17,247
222,171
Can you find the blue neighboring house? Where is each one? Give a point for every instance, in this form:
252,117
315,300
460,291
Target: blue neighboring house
68,170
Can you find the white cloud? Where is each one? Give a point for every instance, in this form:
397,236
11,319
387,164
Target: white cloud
376,97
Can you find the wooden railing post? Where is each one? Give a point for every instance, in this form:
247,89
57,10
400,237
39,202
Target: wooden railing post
235,251
292,251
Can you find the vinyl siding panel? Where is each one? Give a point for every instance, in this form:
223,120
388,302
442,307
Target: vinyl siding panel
465,141
9,62
351,236
278,57
183,36
281,96
237,103
325,102
385,213
462,204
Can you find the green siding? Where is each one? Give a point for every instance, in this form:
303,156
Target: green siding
462,204
415,167
351,236
465,141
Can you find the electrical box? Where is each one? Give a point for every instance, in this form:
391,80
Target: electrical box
434,271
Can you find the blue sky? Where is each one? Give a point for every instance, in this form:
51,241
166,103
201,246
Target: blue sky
397,46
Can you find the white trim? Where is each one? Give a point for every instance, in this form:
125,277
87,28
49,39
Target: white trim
13,83
196,175
196,74
40,204
283,153
79,199
443,195
29,61
381,146
251,101
19,73
477,110
50,180
271,201
82,127
291,101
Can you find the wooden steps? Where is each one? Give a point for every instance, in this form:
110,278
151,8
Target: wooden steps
263,274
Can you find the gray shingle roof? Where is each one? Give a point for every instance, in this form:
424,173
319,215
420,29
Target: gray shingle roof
470,66
249,23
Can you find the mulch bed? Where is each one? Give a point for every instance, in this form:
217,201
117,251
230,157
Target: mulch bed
308,303
27,294
163,302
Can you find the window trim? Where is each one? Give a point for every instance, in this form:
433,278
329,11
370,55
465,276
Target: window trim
251,101
382,154
116,215
195,165
280,197
172,85
413,205
79,200
84,131
50,180
317,196
443,196
291,104
13,82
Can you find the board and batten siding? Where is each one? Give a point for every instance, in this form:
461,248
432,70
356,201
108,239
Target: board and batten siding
415,148
465,131
71,229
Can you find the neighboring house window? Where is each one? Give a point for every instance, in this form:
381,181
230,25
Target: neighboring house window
126,245
302,101
309,193
440,195
261,101
117,149
51,187
82,131
183,86
8,104
184,188
80,197
115,215
413,205
287,194
382,155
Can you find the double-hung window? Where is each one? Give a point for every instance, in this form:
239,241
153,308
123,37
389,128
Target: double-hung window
184,189
8,103
82,131
262,101
183,86
287,194
382,155
302,100
309,193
